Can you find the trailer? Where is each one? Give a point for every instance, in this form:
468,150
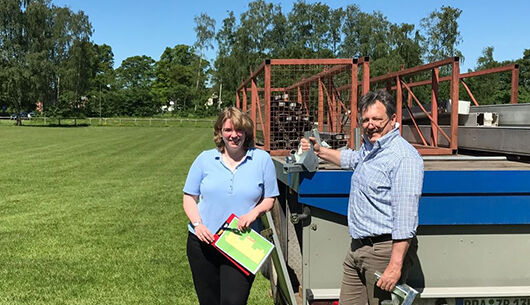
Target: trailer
474,213
473,234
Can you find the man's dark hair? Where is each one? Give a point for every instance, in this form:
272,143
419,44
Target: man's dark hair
379,95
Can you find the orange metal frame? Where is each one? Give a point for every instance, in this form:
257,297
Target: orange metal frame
433,147
514,91
330,95
327,94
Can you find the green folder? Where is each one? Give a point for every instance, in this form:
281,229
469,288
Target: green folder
247,250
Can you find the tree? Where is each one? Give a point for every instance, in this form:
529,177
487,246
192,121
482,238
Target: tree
21,40
205,32
335,26
365,34
311,30
524,77
41,44
134,79
174,77
442,34
102,81
227,69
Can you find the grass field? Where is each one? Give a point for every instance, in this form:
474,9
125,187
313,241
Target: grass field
93,215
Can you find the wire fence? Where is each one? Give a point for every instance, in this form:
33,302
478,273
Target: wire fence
123,122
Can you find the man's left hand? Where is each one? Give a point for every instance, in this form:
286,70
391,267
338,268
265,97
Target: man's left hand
389,278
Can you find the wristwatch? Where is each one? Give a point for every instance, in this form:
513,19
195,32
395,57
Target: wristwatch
195,224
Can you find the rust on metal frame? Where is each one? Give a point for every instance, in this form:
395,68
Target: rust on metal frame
245,103
326,89
430,151
514,85
326,73
469,92
280,152
316,61
454,79
399,102
435,81
426,112
252,76
414,70
416,125
267,97
254,99
514,94
454,92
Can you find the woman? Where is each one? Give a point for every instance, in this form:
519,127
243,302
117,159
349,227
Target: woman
233,178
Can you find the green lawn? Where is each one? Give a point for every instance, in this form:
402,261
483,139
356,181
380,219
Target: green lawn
93,215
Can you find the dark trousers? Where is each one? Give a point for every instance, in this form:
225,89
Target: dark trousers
217,281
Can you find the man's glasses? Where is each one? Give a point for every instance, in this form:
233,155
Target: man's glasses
376,122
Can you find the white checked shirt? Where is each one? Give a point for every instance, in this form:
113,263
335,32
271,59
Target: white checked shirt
385,187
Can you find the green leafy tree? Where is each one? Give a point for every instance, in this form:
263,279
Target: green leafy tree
175,78
524,77
22,50
228,72
484,88
441,33
311,30
102,82
40,45
134,79
336,23
205,32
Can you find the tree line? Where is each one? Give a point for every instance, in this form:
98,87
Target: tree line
315,30
47,55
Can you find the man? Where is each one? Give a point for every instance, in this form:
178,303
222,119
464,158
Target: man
383,204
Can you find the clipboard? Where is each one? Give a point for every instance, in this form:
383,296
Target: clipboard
247,250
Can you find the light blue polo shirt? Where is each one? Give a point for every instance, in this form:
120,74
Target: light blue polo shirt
223,192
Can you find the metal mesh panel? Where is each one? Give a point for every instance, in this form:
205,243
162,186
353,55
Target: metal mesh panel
302,101
302,96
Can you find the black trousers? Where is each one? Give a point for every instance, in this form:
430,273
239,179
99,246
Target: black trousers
217,281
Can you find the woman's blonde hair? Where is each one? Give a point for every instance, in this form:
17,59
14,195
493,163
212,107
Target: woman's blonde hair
240,120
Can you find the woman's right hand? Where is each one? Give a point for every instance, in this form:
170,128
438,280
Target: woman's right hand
306,144
203,234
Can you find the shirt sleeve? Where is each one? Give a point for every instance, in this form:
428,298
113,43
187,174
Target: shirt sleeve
270,184
194,178
349,158
407,183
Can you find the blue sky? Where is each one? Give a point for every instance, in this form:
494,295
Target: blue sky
141,27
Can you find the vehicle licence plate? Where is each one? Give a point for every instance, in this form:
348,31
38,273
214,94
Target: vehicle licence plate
497,301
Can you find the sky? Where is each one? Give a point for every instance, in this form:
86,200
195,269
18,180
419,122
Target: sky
147,27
